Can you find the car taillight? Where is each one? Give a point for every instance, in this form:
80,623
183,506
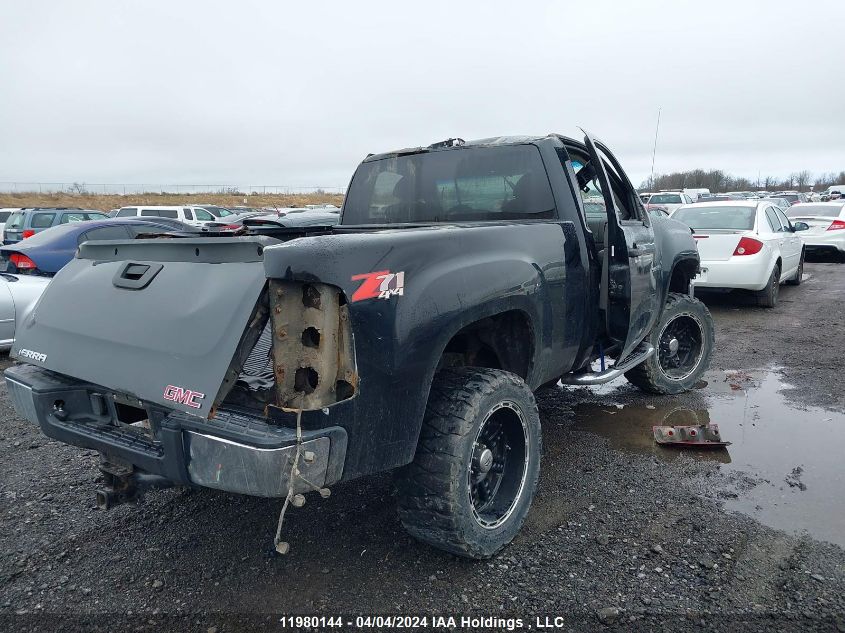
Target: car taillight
22,262
836,225
231,226
27,233
748,246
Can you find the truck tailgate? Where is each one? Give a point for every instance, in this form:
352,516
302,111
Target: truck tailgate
156,319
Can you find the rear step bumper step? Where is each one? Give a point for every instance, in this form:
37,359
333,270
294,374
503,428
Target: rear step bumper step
639,355
233,451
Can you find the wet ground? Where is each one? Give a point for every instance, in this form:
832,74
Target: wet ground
794,478
648,538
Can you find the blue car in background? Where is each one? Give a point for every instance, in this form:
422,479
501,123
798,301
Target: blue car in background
45,253
24,223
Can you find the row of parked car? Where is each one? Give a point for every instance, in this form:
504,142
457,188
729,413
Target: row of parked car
755,244
40,241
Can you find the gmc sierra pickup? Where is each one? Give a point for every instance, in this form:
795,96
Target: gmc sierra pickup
462,277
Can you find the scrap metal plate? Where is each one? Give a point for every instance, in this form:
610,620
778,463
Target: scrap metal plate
693,435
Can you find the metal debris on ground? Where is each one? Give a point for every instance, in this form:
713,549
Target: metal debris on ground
693,435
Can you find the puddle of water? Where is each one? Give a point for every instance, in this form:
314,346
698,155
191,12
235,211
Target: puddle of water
797,453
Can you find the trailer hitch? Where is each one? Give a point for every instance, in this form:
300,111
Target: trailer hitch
126,487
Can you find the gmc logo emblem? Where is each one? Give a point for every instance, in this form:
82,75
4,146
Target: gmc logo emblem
183,396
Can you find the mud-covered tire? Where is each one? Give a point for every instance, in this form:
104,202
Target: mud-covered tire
656,374
768,296
799,274
439,493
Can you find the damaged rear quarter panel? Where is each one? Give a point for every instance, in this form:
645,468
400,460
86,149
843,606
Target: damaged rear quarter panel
453,276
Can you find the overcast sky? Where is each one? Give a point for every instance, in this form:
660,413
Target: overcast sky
298,93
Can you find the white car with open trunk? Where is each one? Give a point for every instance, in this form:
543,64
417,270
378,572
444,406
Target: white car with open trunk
746,245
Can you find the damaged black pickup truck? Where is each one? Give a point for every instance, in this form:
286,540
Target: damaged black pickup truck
462,277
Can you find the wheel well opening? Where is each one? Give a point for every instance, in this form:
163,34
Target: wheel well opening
682,275
503,341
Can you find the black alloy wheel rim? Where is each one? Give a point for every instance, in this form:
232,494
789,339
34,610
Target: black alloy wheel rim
498,465
680,347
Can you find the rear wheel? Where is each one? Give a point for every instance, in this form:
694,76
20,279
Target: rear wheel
683,341
473,477
796,281
768,296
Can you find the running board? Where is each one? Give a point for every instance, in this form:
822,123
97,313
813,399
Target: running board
639,355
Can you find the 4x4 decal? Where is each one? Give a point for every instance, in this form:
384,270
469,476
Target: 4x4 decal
382,284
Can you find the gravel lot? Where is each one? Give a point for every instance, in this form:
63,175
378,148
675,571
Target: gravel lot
621,535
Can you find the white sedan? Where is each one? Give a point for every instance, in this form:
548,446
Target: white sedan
669,200
827,225
749,245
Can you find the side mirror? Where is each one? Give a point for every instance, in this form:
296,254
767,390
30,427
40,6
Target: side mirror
800,226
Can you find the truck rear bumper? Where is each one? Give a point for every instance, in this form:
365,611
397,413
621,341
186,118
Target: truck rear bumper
233,451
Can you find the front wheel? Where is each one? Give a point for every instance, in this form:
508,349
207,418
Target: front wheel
683,341
473,477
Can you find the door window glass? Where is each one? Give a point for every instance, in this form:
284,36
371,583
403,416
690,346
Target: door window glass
127,212
786,225
773,221
204,216
42,220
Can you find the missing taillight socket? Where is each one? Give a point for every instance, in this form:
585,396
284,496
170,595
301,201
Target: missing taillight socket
311,337
310,296
306,380
343,390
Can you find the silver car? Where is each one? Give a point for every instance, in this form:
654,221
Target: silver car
18,293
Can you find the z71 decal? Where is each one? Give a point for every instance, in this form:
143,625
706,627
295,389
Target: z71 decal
382,284
183,396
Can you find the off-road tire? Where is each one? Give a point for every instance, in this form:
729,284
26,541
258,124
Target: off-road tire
768,296
796,281
649,375
434,496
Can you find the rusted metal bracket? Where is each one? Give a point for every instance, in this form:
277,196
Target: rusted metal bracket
313,355
702,435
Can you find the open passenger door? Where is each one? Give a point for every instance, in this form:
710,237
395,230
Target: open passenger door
629,285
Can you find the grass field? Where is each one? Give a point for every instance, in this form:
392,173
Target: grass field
104,202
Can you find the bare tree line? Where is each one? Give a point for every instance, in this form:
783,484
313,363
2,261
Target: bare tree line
718,181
